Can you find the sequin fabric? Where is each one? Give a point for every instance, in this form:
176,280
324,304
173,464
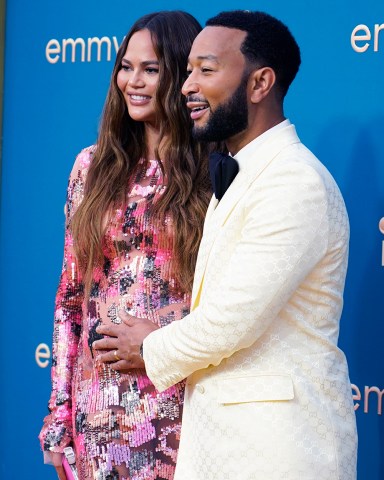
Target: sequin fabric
121,426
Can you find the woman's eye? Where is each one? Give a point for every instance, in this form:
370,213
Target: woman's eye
152,70
126,68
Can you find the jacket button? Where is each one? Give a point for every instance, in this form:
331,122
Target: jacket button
200,388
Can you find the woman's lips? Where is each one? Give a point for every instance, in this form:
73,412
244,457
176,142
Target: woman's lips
139,99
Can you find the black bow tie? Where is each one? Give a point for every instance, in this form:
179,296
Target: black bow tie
222,169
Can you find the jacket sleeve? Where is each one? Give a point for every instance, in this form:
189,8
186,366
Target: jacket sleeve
283,235
56,433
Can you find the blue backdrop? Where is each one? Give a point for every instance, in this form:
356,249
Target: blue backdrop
54,90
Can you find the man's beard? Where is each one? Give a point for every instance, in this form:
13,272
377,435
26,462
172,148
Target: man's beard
228,119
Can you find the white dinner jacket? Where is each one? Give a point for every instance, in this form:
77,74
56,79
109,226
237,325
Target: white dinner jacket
268,395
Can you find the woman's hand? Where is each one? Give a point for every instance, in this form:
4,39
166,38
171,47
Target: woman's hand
57,462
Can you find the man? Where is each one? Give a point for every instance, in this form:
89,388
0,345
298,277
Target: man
268,395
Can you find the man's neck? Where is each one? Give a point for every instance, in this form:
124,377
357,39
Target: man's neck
239,141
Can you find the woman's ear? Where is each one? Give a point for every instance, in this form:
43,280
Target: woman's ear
260,83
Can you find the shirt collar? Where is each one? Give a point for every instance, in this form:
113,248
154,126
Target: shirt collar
252,146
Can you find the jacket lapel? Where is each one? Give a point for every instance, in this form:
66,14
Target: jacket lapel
204,248
218,213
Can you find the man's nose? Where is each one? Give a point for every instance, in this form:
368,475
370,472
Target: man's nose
190,86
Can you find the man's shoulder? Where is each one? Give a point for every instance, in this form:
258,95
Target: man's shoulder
299,157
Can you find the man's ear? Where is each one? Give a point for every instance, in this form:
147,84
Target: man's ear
260,83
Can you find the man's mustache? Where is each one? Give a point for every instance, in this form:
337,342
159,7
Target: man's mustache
195,98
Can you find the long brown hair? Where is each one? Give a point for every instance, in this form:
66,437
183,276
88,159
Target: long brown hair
121,144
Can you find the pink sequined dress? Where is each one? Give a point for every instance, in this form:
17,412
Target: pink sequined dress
120,425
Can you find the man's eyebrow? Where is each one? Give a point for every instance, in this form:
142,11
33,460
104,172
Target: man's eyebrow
212,58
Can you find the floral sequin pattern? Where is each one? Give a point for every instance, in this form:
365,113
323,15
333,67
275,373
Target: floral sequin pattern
121,426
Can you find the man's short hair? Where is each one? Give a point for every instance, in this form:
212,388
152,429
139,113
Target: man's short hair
268,43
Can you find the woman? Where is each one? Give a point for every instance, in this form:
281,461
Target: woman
135,209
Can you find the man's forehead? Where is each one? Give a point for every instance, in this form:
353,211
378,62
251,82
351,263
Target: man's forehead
215,41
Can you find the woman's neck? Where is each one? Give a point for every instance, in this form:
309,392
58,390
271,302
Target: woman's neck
152,139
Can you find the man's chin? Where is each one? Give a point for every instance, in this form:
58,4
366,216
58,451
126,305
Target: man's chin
197,132
201,134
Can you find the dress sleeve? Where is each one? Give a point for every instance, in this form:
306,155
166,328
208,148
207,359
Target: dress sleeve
57,433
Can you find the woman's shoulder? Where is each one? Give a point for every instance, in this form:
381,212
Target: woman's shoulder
77,178
83,161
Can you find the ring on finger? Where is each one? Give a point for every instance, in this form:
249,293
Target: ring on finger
116,355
